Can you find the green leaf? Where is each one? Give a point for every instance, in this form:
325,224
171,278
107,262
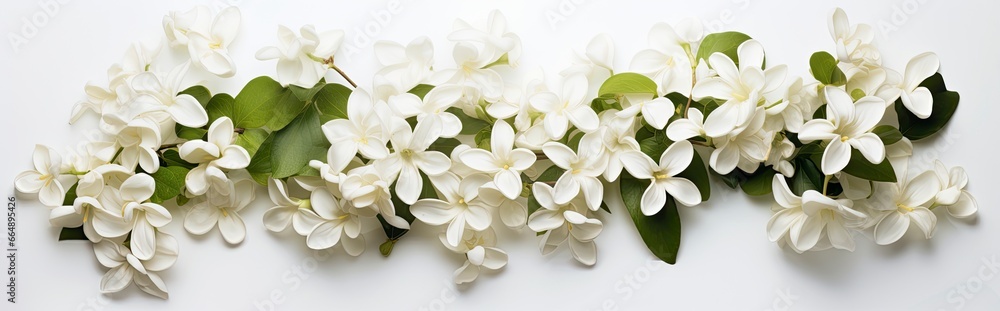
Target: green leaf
297,144
654,146
262,102
403,210
627,83
573,141
697,172
445,145
945,104
304,94
200,93
551,174
72,234
331,101
188,133
482,139
251,140
470,125
660,232
221,105
759,183
182,200
807,176
70,197
260,163
820,112
421,90
888,133
169,182
722,42
825,70
861,168
172,158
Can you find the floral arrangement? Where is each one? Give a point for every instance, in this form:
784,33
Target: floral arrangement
476,145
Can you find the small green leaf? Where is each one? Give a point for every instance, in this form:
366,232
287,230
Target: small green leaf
655,146
172,158
72,234
421,90
888,133
697,173
260,163
70,197
470,125
825,70
304,94
331,101
820,112
660,232
759,183
182,200
169,183
445,145
627,83
551,174
945,105
403,210
221,105
861,168
251,140
386,247
722,42
188,133
807,176
297,144
482,138
200,93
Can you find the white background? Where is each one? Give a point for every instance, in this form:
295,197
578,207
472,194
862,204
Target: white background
726,261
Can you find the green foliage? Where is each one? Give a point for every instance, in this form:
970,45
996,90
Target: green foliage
297,144
251,140
721,42
172,158
304,94
169,183
825,70
260,163
421,90
72,234
660,232
262,102
470,125
200,93
331,101
888,133
393,234
759,183
445,145
627,83
945,104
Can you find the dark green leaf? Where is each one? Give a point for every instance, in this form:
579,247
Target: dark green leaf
221,105
759,183
697,173
482,139
331,101
660,232
825,70
403,210
297,144
945,104
722,42
888,133
72,234
188,133
169,183
807,176
551,174
172,158
470,125
445,145
70,197
862,168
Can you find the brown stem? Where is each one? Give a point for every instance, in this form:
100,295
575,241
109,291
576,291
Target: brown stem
329,62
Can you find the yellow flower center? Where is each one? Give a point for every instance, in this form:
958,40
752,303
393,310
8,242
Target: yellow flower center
844,138
904,208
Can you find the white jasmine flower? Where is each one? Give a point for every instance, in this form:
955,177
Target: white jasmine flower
480,258
570,106
411,156
657,112
503,161
178,25
668,61
953,195
288,211
433,106
581,173
512,212
805,220
155,95
743,88
460,207
904,203
662,177
600,54
141,216
300,59
494,39
218,153
850,39
338,224
127,268
222,209
46,179
363,131
209,49
365,187
915,98
847,124
562,222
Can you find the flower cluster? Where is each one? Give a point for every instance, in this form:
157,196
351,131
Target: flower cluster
469,145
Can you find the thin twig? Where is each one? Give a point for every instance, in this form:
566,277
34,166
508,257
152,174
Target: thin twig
329,62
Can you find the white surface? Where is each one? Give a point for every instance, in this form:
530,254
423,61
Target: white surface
726,261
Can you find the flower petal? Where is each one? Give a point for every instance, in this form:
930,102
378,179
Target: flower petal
890,228
835,157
